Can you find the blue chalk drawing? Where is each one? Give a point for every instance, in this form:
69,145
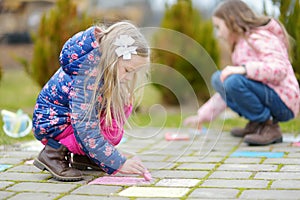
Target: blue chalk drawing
4,167
254,154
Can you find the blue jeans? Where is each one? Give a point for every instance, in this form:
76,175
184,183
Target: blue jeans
251,99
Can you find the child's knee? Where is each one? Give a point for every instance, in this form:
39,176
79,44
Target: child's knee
215,80
234,82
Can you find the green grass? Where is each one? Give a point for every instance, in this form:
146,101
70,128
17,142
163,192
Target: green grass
18,91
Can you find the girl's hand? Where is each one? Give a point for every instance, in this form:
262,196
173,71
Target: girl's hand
133,166
193,121
229,70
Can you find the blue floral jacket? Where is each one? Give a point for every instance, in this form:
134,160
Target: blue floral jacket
63,101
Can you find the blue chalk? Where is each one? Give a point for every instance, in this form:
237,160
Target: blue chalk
253,154
4,167
123,140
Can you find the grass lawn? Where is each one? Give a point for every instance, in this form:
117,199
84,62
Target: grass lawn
18,91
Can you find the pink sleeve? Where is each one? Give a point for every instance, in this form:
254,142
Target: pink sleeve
212,108
114,133
273,63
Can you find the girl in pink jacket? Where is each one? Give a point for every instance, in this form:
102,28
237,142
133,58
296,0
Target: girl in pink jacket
261,85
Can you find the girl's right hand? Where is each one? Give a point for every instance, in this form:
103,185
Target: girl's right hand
193,121
133,166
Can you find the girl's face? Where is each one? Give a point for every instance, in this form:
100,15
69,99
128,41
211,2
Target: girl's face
222,30
127,68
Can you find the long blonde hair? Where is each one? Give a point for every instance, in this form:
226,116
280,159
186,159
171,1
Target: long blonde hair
240,19
114,95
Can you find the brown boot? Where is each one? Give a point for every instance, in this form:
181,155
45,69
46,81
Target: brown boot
250,128
83,163
269,133
56,161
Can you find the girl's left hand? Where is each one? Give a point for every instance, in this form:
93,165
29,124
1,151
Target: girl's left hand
229,70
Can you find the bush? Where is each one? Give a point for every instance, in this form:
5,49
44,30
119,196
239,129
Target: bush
55,28
290,17
0,73
182,17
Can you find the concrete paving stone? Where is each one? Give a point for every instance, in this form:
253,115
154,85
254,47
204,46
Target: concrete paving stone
213,153
286,161
178,182
5,194
97,190
223,147
196,166
243,160
4,184
235,183
178,174
286,184
168,152
31,146
245,147
163,198
290,168
159,165
294,154
230,175
42,187
18,154
24,168
11,161
16,176
154,192
277,175
270,194
172,145
198,159
213,193
248,167
86,180
155,158
289,148
90,197
31,195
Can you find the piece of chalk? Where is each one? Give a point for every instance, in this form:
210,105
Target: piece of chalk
147,176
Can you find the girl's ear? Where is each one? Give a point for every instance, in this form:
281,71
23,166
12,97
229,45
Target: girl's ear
98,34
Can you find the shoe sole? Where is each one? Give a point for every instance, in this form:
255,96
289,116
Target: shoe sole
81,166
43,167
254,143
234,135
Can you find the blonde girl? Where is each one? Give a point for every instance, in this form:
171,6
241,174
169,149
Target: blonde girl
84,106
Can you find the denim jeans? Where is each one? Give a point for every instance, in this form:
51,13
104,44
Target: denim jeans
251,99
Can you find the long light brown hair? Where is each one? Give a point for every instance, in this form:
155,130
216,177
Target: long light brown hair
240,19
115,95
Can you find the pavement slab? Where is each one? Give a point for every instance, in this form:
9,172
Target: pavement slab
154,192
208,166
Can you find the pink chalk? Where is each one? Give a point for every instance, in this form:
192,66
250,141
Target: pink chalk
169,136
147,176
29,162
116,180
296,144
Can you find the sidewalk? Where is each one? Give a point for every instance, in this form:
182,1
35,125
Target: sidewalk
180,170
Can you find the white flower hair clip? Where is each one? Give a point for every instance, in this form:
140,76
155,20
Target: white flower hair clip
125,49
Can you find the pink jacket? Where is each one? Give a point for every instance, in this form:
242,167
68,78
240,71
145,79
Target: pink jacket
265,57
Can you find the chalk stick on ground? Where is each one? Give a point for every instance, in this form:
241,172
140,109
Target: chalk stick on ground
170,136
